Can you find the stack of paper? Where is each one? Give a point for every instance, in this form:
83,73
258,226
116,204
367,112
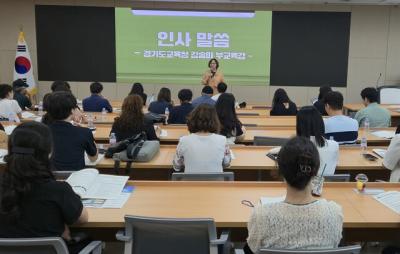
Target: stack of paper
26,114
384,134
390,199
93,163
9,129
379,152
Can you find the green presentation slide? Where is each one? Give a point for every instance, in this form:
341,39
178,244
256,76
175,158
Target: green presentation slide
174,47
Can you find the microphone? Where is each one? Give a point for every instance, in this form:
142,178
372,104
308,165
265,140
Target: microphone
377,82
212,74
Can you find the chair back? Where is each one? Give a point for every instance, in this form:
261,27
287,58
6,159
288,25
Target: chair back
389,94
224,176
62,175
168,236
337,178
41,245
353,249
269,141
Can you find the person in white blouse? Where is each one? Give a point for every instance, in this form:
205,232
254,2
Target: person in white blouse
309,124
391,160
300,221
202,151
8,106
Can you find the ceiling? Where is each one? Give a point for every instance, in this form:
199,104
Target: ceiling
333,2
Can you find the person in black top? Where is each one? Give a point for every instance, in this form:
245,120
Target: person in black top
231,127
282,105
32,202
21,95
70,142
163,101
319,104
179,114
137,89
132,120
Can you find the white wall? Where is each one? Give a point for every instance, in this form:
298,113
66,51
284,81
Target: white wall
374,46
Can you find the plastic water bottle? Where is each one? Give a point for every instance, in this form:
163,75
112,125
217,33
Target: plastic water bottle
166,113
103,114
364,144
113,139
40,108
90,124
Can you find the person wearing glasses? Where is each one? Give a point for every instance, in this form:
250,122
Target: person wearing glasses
300,221
203,151
212,77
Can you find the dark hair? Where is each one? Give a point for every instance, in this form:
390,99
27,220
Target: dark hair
164,95
96,87
132,116
398,129
324,90
221,87
370,93
309,123
226,112
5,89
280,96
185,95
207,90
28,163
59,106
60,85
334,99
19,85
203,118
298,162
215,60
137,88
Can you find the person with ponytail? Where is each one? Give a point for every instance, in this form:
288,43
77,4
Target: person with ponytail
32,202
300,221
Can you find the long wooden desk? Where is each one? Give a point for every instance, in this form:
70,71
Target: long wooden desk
364,217
250,163
174,132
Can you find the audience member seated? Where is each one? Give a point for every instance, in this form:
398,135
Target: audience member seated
205,97
96,102
221,88
70,142
231,127
309,124
300,221
202,151
8,106
376,115
56,86
319,104
282,105
391,160
32,202
163,101
21,94
178,114
132,120
137,89
341,128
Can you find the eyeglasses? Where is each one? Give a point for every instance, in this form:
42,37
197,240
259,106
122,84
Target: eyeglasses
247,203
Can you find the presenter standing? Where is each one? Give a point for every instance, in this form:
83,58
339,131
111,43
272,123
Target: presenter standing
212,77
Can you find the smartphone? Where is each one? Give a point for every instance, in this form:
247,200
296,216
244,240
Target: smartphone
272,156
370,157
